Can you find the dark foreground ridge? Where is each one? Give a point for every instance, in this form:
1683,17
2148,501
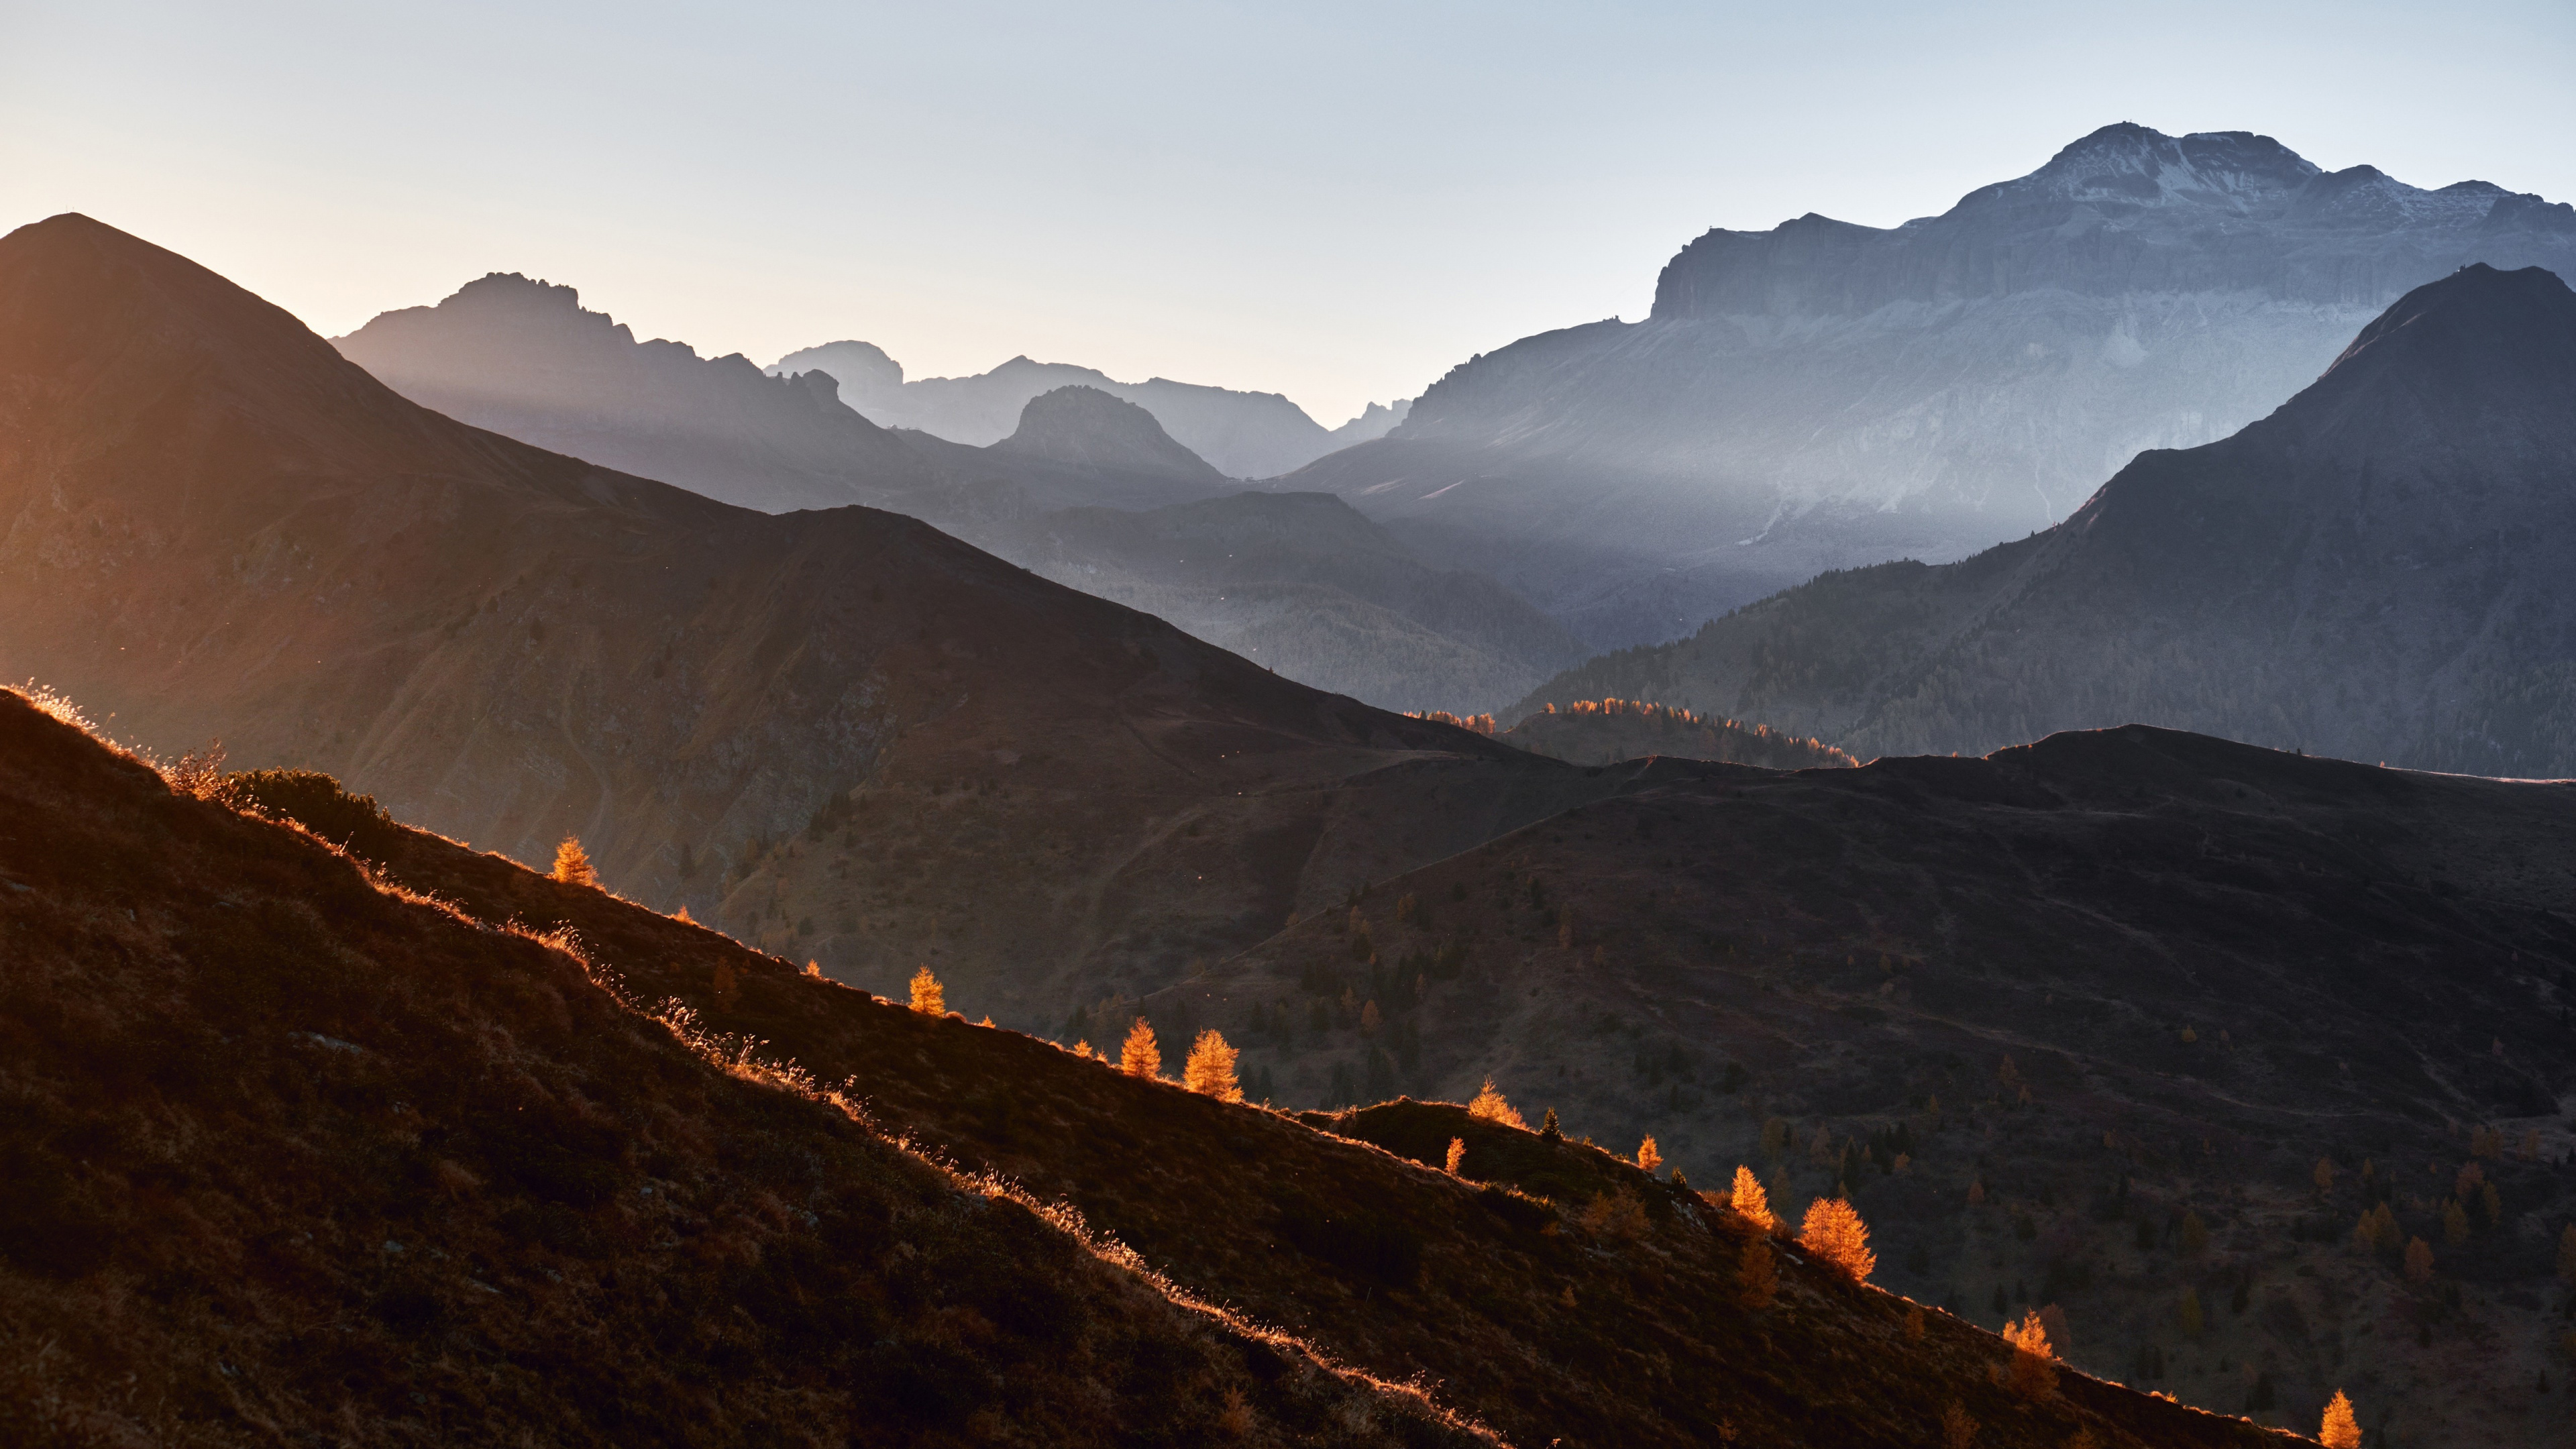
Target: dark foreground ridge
300,1147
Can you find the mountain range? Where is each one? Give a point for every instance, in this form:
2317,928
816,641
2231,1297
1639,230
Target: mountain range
1243,434
1824,395
2373,571
525,359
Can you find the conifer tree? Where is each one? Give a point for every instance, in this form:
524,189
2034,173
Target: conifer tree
1457,1154
928,996
572,864
1490,1106
1757,1277
2325,1174
1548,1131
2195,1233
1836,1236
1210,1068
2034,1365
1754,1206
1648,1157
2419,1261
2455,1223
2188,1314
1138,1056
2341,1430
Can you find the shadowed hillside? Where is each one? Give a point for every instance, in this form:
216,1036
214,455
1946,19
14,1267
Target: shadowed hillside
2076,1024
1612,731
478,1096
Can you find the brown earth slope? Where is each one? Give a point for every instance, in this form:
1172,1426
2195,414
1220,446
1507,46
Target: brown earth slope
287,1156
1547,1320
2109,982
213,525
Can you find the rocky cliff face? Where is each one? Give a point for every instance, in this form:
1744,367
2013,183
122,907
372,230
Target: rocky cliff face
2374,571
1822,394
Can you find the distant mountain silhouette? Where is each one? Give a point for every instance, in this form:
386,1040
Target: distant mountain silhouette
1824,395
2375,571
1241,434
525,359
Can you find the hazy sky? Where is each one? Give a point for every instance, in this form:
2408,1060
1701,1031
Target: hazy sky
1335,201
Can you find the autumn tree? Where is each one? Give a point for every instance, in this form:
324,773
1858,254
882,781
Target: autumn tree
2034,1363
2419,1261
1138,1056
1649,1157
1958,1431
1836,1236
928,996
2325,1174
1457,1155
2195,1233
1547,1128
572,864
2187,1314
2341,1430
1754,1206
1757,1277
1210,1068
1490,1106
2455,1223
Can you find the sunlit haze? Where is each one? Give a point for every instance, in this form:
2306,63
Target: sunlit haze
1334,201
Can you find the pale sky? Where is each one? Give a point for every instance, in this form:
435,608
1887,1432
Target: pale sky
1334,201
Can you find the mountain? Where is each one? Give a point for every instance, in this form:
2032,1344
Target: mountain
1375,421
1825,395
296,1155
1243,434
2374,571
524,358
2077,1023
475,1188
1306,585
212,524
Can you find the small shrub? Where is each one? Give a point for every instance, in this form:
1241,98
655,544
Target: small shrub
1620,1216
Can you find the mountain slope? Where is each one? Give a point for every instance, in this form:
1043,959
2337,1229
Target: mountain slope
2075,1024
524,358
1824,395
2371,572
295,1155
1549,1323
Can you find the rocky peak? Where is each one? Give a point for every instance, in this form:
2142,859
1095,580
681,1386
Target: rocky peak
1083,427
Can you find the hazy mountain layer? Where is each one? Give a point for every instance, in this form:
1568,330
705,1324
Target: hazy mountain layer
525,359
1304,584
1244,434
2075,1024
1823,395
2375,571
